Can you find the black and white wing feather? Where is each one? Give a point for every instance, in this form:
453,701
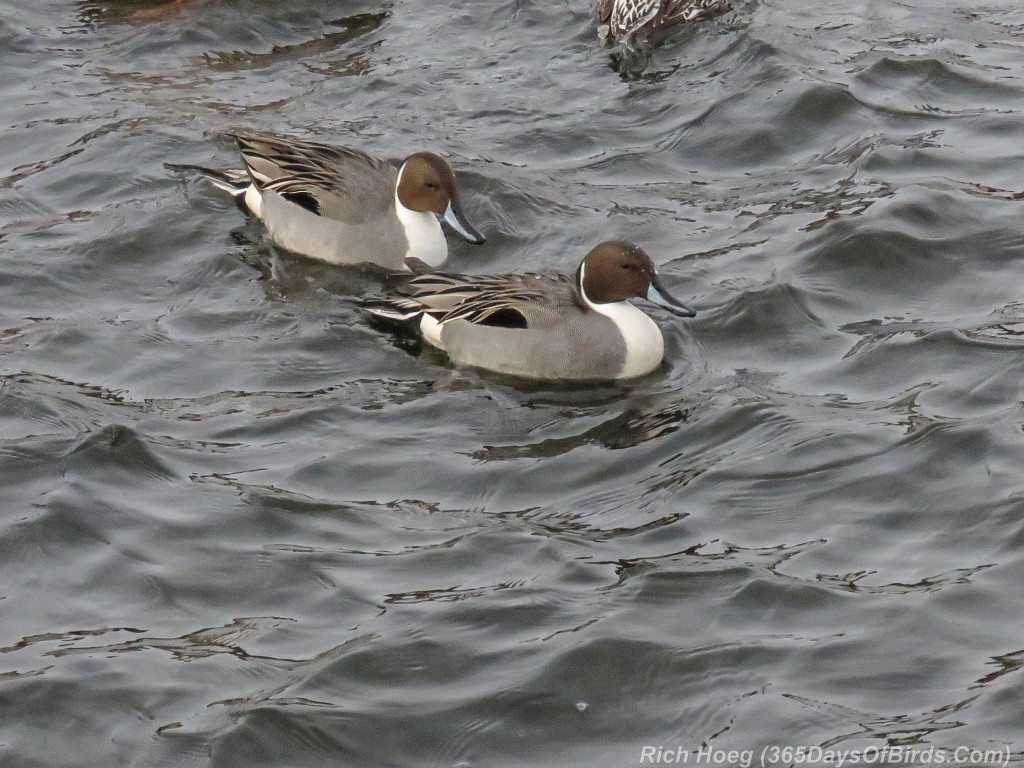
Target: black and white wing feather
511,301
324,179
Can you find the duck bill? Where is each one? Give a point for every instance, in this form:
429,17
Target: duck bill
657,294
455,219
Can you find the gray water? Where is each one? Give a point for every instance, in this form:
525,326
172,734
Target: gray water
241,526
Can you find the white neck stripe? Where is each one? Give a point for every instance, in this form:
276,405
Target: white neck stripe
583,293
423,235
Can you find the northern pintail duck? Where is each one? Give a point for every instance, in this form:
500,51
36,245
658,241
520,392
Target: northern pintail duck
545,326
622,18
343,206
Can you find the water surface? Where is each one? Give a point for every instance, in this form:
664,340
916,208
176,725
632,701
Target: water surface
241,526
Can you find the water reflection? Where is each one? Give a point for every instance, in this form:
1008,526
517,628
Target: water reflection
317,49
199,644
628,429
894,730
132,11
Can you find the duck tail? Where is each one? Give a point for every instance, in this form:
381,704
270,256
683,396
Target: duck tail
235,183
394,309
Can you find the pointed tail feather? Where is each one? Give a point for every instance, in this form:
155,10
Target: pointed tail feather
398,310
233,182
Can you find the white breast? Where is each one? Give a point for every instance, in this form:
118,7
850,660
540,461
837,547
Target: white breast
645,346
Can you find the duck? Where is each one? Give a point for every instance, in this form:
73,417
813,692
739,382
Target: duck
625,18
544,326
343,206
